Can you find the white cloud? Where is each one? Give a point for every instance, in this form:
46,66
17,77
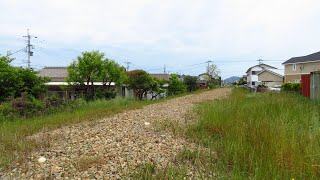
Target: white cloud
202,28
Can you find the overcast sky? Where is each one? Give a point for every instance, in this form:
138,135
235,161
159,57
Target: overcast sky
175,33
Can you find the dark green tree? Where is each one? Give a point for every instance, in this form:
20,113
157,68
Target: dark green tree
191,83
140,81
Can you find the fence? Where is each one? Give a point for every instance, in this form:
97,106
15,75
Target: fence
315,85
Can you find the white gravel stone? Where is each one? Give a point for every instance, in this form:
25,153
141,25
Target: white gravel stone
42,160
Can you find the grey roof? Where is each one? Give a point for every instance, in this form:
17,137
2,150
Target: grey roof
307,58
277,72
263,67
54,72
61,73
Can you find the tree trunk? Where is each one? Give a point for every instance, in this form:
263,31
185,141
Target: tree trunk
92,89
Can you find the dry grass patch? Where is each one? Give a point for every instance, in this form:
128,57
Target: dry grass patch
83,163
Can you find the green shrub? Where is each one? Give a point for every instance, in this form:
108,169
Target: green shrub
105,95
7,111
24,106
51,101
211,86
291,87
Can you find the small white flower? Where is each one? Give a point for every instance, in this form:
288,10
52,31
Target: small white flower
146,123
42,160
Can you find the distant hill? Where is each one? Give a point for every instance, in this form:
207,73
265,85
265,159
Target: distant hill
232,79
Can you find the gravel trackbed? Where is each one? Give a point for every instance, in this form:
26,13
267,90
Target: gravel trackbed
113,147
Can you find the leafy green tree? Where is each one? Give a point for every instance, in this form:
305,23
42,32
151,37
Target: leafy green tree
8,78
156,87
176,86
140,81
241,81
30,83
85,70
191,83
112,72
15,81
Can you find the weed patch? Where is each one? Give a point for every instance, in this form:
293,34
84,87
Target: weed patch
265,136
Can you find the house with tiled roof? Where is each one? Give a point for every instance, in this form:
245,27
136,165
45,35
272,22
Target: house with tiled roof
296,67
58,84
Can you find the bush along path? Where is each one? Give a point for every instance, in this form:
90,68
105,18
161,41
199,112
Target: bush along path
111,148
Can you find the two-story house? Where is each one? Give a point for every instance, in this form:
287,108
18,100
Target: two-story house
295,67
252,74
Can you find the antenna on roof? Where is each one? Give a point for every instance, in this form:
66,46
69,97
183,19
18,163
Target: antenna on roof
260,61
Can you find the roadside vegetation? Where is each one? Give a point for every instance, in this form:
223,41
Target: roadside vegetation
13,142
260,136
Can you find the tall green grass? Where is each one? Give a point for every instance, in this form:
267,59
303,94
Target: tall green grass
13,142
261,136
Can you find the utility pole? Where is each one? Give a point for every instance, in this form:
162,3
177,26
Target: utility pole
164,69
208,64
127,62
29,47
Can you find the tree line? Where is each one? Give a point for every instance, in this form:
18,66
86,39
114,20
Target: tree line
23,92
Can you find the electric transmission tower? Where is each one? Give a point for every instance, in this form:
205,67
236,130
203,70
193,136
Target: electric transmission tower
29,47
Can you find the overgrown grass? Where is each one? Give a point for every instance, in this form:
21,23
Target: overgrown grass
249,135
261,136
14,145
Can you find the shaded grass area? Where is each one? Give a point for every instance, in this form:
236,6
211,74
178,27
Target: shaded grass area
249,135
13,143
262,136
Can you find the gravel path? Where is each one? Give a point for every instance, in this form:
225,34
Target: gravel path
113,147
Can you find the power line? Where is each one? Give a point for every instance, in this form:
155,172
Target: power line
10,53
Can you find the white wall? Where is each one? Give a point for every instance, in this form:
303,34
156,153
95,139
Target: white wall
253,78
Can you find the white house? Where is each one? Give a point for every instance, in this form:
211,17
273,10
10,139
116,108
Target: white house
252,74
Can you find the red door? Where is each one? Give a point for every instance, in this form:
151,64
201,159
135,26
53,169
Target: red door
305,82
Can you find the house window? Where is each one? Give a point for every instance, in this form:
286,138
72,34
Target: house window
253,72
253,83
294,67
